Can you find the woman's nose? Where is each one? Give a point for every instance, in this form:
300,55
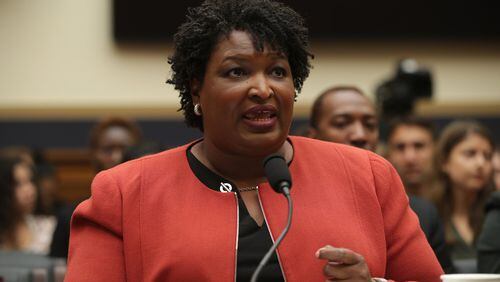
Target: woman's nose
260,87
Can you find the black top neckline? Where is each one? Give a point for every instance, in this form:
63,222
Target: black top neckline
209,178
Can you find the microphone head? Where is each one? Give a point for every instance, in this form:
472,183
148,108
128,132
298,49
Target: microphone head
277,172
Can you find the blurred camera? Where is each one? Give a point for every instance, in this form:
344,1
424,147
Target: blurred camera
396,97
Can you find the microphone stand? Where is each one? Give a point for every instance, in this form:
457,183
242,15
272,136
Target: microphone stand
269,253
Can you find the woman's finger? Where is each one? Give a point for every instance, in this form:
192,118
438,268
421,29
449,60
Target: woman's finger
339,255
337,272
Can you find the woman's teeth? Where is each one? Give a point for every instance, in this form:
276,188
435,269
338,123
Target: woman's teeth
259,116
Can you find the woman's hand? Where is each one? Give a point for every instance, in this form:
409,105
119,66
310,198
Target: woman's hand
343,264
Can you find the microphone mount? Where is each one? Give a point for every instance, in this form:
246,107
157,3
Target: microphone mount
279,178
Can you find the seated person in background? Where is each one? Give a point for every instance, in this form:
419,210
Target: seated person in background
45,177
410,148
20,229
205,211
488,243
463,160
345,115
110,139
496,168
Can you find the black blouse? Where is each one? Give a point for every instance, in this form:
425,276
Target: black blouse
253,241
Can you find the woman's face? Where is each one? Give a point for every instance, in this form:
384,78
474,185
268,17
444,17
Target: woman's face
25,191
246,97
469,163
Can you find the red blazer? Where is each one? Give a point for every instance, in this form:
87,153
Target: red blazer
151,219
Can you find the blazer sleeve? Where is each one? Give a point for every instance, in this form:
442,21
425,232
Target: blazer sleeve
409,256
96,245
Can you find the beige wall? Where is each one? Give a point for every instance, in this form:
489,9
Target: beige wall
58,58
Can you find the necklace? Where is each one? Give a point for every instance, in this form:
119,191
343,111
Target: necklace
246,189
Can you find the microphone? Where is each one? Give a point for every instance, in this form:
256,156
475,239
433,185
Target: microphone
277,173
279,178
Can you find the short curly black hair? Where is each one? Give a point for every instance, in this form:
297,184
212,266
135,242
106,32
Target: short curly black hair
268,22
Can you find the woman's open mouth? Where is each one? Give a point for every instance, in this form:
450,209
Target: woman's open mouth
261,118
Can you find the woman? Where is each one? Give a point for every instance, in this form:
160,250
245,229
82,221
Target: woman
464,153
204,211
20,229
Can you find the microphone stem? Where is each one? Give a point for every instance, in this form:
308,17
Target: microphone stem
269,253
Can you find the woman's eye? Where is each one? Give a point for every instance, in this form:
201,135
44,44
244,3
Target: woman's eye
278,72
469,153
236,72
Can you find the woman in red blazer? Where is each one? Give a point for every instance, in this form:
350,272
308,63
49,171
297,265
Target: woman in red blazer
205,212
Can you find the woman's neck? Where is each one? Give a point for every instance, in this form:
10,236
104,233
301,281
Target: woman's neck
243,170
462,201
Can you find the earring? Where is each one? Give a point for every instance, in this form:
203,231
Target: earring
197,109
